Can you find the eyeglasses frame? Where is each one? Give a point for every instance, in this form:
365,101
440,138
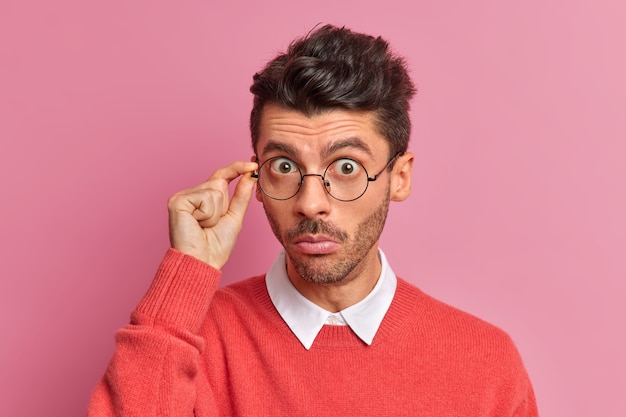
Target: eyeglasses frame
325,182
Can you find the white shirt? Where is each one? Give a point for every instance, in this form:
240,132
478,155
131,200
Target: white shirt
306,319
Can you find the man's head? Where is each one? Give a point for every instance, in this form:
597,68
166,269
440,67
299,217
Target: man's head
335,68
330,130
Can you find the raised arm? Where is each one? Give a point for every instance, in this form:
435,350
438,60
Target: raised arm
156,369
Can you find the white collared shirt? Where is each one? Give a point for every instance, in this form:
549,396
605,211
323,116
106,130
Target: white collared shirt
306,319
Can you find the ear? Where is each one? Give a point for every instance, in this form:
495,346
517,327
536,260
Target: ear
257,190
401,177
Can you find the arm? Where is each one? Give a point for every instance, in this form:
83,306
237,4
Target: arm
155,369
528,408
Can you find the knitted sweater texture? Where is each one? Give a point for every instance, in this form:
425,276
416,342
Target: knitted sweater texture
192,349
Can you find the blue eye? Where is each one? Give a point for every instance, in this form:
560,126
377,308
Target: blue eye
283,166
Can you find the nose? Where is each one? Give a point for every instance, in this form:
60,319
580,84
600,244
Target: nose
312,201
325,182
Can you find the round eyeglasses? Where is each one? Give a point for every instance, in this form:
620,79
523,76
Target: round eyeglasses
344,179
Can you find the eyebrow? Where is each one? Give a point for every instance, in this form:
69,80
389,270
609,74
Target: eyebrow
272,145
351,142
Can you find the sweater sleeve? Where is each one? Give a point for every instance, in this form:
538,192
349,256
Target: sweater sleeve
155,370
528,407
518,390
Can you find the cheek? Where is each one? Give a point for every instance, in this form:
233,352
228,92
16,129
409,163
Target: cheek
273,222
276,213
351,219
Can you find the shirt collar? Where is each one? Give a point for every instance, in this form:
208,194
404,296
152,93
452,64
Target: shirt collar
306,319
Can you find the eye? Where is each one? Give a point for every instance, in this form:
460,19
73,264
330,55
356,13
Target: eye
346,167
283,166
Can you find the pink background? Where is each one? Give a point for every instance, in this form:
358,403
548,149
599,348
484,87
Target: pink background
517,214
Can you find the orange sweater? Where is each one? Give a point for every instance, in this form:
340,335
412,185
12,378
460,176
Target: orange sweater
191,348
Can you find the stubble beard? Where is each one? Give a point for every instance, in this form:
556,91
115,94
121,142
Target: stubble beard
319,269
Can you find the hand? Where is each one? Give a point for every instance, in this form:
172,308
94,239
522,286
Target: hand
203,222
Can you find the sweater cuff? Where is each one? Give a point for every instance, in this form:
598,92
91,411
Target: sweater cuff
180,293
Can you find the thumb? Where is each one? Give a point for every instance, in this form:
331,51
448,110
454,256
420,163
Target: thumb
241,197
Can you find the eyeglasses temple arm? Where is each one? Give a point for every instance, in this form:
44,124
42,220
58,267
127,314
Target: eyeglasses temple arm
375,177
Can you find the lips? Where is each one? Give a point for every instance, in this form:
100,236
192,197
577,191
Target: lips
316,245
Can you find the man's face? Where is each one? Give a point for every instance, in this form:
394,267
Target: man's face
327,241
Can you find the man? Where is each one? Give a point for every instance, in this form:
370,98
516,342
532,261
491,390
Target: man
329,330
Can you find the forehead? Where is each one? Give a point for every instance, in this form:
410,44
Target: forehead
290,131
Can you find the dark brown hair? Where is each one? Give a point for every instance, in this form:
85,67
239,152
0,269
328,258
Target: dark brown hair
333,68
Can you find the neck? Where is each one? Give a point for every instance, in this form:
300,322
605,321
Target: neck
337,296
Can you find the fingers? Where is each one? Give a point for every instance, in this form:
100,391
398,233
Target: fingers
238,204
209,201
232,171
204,222
242,196
208,206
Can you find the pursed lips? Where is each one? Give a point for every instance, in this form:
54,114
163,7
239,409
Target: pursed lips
316,244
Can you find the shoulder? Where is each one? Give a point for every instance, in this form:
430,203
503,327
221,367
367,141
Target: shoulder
243,292
448,344
432,310
244,300
243,311
453,329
